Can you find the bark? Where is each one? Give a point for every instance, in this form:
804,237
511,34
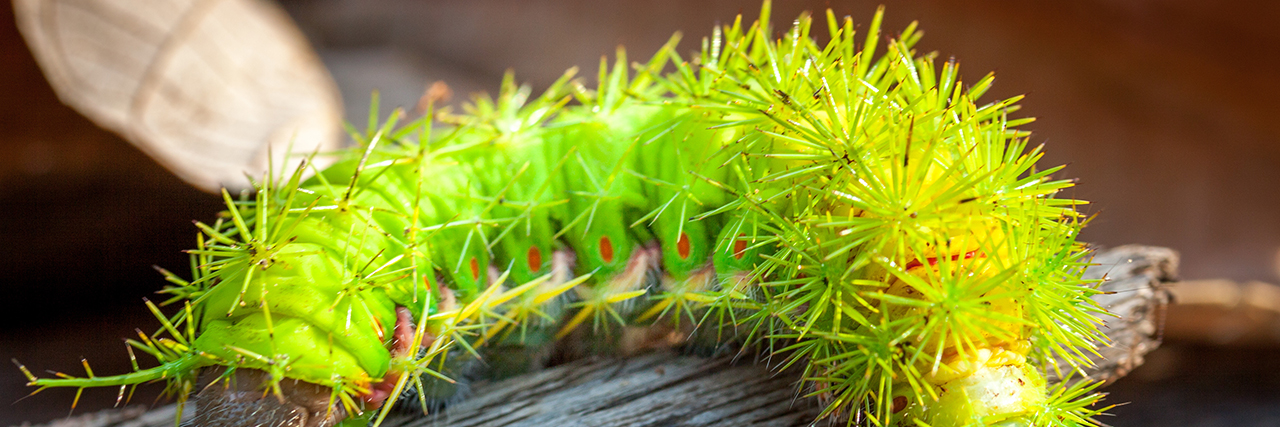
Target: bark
1137,295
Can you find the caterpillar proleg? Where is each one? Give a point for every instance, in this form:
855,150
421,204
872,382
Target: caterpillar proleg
848,206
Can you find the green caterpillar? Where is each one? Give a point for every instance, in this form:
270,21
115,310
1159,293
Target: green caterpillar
856,213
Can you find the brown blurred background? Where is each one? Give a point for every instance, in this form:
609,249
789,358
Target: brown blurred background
1165,109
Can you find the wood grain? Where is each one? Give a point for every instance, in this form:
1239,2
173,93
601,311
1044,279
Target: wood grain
1137,295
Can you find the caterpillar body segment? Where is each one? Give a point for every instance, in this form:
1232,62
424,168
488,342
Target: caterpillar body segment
856,213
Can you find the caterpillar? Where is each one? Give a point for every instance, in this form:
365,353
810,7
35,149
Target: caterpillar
856,214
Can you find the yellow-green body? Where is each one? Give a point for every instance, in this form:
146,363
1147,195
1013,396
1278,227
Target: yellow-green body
859,215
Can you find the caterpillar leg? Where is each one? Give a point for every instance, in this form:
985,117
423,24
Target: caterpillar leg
672,313
400,347
643,270
530,345
612,300
436,394
562,265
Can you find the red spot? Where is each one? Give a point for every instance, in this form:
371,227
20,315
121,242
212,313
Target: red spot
899,403
934,260
606,249
431,284
739,247
534,257
475,269
682,246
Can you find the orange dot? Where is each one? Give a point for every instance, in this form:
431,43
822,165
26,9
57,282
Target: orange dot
606,249
431,284
739,247
534,257
475,269
377,327
682,246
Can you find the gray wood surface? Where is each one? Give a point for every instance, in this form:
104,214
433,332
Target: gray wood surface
667,389
1137,296
659,389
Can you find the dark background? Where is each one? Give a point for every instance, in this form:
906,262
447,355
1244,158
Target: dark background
1167,111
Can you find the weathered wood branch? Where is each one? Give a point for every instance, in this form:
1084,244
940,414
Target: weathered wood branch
666,389
1136,296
